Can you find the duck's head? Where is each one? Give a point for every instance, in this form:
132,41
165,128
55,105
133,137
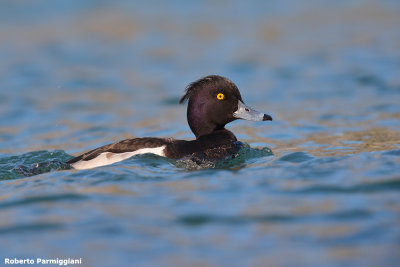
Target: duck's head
215,101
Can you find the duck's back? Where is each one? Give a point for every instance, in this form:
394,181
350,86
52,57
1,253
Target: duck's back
116,152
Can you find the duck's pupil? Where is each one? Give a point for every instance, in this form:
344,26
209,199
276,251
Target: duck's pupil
246,109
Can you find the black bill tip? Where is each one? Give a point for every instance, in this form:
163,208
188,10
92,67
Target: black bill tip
267,117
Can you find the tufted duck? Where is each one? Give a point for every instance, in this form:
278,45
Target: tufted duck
213,102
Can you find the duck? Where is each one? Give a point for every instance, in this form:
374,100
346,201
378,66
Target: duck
213,102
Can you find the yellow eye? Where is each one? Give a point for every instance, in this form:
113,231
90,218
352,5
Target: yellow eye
220,96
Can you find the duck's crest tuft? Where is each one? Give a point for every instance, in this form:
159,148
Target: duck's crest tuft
196,85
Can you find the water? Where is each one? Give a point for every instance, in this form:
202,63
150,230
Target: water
75,75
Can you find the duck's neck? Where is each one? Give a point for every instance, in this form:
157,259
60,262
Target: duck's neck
200,127
197,119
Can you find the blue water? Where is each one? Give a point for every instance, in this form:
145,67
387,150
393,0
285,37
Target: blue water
317,186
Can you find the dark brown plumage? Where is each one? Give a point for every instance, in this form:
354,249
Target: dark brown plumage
213,101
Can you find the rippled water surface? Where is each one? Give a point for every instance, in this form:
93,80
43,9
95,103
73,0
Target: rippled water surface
75,75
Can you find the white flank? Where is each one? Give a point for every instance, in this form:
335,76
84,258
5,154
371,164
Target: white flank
107,158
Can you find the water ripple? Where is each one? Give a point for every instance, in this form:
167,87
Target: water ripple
32,227
42,199
367,187
200,219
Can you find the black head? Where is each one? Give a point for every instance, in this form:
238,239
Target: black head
215,101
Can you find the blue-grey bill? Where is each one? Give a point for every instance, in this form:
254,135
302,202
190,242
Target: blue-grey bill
246,113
